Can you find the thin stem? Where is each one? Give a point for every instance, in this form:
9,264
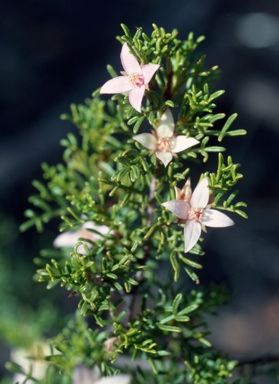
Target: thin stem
270,358
146,253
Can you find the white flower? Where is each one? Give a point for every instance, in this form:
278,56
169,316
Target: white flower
70,238
83,375
134,81
117,379
197,214
21,356
163,142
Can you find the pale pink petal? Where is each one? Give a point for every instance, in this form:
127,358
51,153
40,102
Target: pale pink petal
66,239
147,140
166,125
200,195
111,343
70,238
213,218
136,96
180,143
185,193
83,375
148,71
187,190
129,62
90,225
85,232
118,84
117,379
103,229
81,248
178,193
165,157
179,208
192,232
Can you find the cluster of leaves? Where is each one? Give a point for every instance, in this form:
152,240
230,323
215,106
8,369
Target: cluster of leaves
109,179
172,353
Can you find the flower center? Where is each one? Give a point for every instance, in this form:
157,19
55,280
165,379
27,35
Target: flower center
136,79
195,214
163,144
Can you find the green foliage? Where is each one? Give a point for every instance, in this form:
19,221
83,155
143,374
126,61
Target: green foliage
20,324
26,315
111,180
172,344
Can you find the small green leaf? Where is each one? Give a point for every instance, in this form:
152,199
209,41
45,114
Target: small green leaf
138,124
176,302
226,126
14,367
169,328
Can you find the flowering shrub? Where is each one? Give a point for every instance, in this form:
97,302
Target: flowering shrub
123,207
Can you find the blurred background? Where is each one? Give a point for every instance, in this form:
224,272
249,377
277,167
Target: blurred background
54,53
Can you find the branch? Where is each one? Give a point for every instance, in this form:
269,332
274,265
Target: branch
270,358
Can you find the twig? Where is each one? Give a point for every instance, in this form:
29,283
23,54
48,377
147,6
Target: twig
270,358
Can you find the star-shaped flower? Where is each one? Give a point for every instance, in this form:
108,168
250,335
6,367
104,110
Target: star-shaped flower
70,238
197,214
162,142
134,81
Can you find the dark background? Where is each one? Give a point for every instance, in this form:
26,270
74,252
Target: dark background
53,53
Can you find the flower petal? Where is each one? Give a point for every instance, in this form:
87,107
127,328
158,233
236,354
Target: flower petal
166,125
118,84
129,62
214,218
165,157
180,143
178,193
192,232
185,193
89,225
148,71
179,208
136,96
147,140
98,230
200,195
83,375
103,229
117,379
66,239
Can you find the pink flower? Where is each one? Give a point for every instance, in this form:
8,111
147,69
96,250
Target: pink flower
197,214
110,344
185,193
134,81
70,238
163,142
